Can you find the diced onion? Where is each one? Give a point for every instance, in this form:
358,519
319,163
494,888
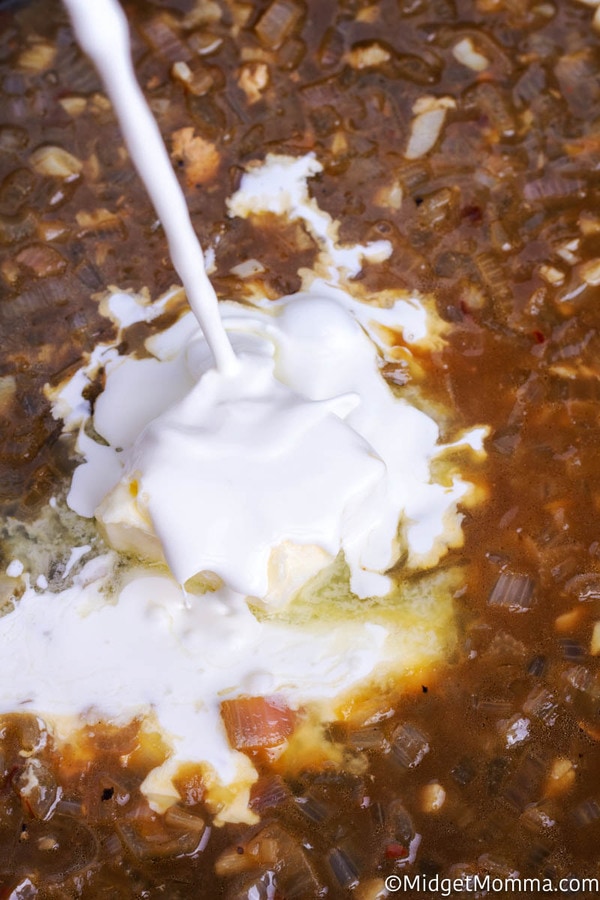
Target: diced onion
277,22
513,591
426,127
467,55
343,867
254,722
55,162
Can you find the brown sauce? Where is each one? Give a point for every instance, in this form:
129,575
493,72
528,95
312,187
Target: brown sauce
501,223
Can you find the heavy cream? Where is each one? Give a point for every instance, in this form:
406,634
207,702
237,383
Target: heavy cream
92,653
306,446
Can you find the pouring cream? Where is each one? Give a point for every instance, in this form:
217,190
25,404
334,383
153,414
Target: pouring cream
103,33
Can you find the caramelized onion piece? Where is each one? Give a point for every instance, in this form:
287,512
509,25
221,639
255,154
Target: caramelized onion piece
148,838
504,648
584,680
277,22
584,586
15,190
344,867
369,738
409,745
273,848
254,722
269,792
38,790
513,591
492,706
368,55
16,228
55,162
25,732
183,820
42,260
541,703
524,786
164,41
433,797
314,809
261,851
430,114
399,823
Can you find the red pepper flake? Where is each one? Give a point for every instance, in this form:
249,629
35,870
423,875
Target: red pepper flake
538,337
395,850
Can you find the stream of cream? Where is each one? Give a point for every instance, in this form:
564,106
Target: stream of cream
103,33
